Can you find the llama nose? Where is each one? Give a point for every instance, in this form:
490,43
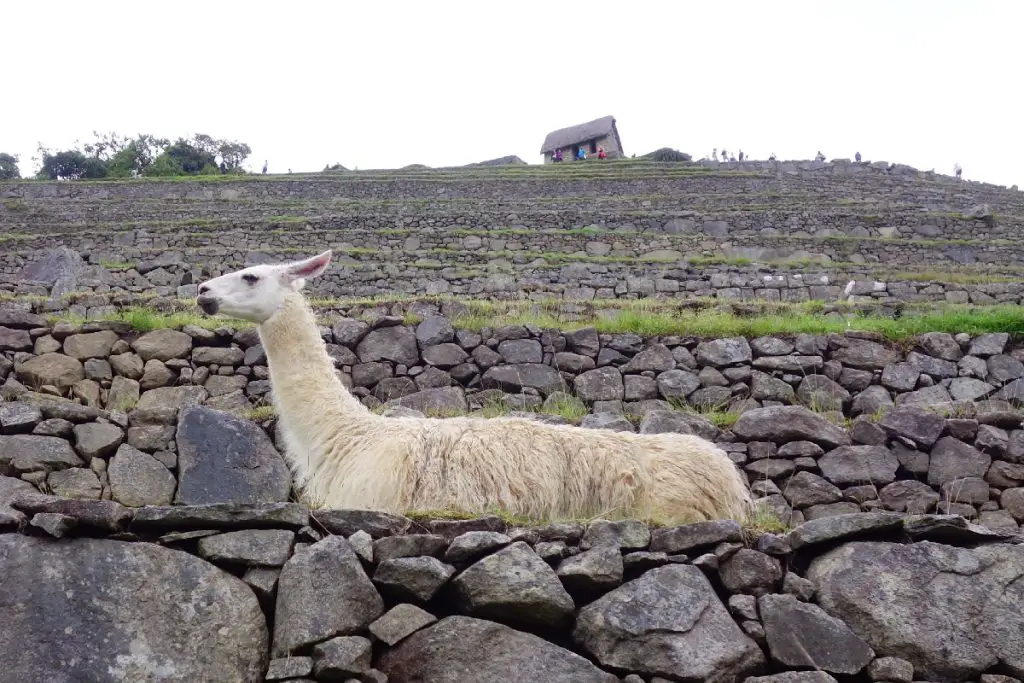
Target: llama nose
204,290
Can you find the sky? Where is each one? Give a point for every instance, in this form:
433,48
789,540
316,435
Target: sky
385,84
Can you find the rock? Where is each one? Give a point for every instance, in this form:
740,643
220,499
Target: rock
789,423
163,345
991,344
514,378
437,401
322,592
76,482
396,344
341,657
1003,369
400,622
225,459
671,421
616,423
749,571
221,516
119,614
655,358
138,479
822,393
941,345
54,369
844,527
22,453
872,400
433,330
862,354
921,426
449,651
627,534
409,545
217,355
97,440
91,345
969,389
900,376
472,545
376,524
910,601
513,586
677,383
249,547
848,465
951,529
600,384
289,668
891,669
668,622
19,418
764,387
953,459
162,405
804,635
909,495
15,340
54,524
724,352
681,539
592,571
805,489
412,578
447,356
793,677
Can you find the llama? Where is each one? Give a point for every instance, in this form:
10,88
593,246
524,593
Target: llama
342,455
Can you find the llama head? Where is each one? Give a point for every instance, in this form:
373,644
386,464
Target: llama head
257,292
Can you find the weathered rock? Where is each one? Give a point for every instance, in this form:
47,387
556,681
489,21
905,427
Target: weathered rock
910,601
221,516
409,545
862,353
138,479
376,524
789,423
225,459
600,384
921,426
162,405
627,534
450,652
163,345
395,343
514,378
677,422
990,344
800,634
433,330
821,393
953,459
668,622
592,571
54,369
750,571
412,578
19,418
724,352
76,482
941,345
323,592
909,495
400,622
437,401
681,539
118,614
849,465
15,340
97,440
91,345
339,658
249,547
22,453
289,668
805,489
844,527
472,545
513,586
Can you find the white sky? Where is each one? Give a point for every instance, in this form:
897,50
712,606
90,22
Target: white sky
385,84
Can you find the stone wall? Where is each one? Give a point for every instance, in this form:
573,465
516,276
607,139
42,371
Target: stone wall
153,461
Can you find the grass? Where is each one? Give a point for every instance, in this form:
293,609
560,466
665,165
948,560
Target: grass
651,317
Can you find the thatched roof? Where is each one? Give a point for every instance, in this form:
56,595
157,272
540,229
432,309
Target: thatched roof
566,137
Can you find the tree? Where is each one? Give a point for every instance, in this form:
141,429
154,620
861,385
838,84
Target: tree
9,167
70,165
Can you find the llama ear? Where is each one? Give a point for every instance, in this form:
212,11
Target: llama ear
299,271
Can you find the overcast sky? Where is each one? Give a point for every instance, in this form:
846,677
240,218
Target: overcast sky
385,84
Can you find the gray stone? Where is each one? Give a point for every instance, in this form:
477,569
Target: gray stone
409,545
15,340
655,358
439,401
289,668
617,423
591,571
900,376
128,365
628,534
115,598
521,351
953,459
447,356
162,405
764,387
935,368
820,393
53,523
677,383
677,422
400,622
921,426
749,571
600,384
376,524
724,352
788,423
795,364
804,635
951,529
76,482
909,495
91,345
341,657
249,547
54,369
23,453
349,332
412,578
848,465
97,440
668,622
322,592
770,346
969,389
515,378
221,516
910,601
871,400
805,489
450,652
513,586
471,545
138,479
792,677
225,459
941,345
843,527
862,353
1003,369
990,344
891,669
432,330
19,418
687,537
396,344
218,355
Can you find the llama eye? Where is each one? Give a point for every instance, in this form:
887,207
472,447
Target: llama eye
250,278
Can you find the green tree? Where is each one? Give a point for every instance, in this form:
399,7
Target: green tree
9,167
70,164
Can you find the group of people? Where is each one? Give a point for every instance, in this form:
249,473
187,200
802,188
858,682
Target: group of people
581,154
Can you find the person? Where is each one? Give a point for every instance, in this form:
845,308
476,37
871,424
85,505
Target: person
581,155
820,157
958,170
772,157
714,154
741,155
557,156
601,154
857,157
264,167
223,167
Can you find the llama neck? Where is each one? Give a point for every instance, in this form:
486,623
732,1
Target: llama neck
306,390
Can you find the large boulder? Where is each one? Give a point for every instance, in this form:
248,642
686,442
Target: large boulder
466,650
225,459
59,267
100,610
669,622
54,369
954,613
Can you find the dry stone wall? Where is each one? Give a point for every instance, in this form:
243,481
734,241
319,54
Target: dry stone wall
140,480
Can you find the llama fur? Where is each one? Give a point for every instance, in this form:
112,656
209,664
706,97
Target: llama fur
344,456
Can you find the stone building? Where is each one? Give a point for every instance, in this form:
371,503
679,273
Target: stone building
591,135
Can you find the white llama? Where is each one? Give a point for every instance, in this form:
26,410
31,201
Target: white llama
344,456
